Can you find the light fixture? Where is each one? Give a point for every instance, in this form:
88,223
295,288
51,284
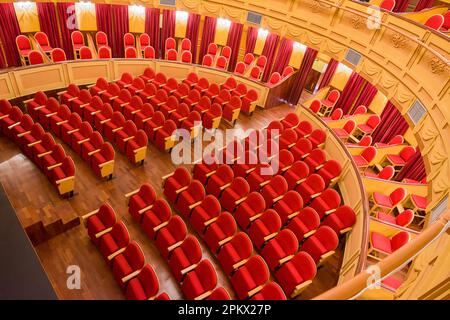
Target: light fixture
181,16
24,5
299,46
262,33
85,5
223,23
343,68
137,10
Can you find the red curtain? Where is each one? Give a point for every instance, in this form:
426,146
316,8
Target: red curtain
283,56
152,29
392,123
234,42
48,22
423,4
252,35
366,97
168,27
208,34
119,28
103,14
413,169
9,30
269,50
302,75
66,10
401,5
329,73
350,92
192,26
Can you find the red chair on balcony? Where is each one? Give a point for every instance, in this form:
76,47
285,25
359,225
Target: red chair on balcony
304,224
248,58
198,284
240,68
24,47
435,21
250,278
387,203
381,246
321,244
297,274
207,60
101,39
363,160
185,258
85,53
367,128
387,5
186,57
128,40
172,55
104,53
170,44
255,73
329,103
221,63
144,41
403,219
261,62
149,52
275,78
35,57
400,160
155,218
130,53
335,115
58,55
185,45
345,132
235,253
77,42
387,173
288,71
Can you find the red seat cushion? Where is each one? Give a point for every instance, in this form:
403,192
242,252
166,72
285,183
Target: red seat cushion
395,159
386,217
360,161
420,202
382,199
381,242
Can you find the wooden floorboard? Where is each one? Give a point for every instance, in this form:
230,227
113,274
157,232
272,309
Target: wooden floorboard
35,199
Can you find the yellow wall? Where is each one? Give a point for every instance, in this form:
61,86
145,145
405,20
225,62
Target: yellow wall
260,41
86,18
27,16
378,103
181,24
222,28
340,77
298,51
136,19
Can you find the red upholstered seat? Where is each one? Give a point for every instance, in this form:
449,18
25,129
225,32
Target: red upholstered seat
402,219
104,116
279,249
248,278
388,202
304,129
341,221
231,109
321,244
240,68
101,39
81,136
131,53
163,134
171,236
315,160
111,93
191,79
387,5
174,184
344,132
205,213
35,57
58,55
317,138
275,78
326,203
155,218
364,159
203,105
128,40
387,245
332,98
126,80
85,53
264,228
296,274
149,52
91,146
199,282
212,49
219,294
185,257
435,21
250,209
169,107
220,231
77,39
159,80
235,253
288,138
233,195
101,85
172,55
248,58
194,193
111,127
114,240
104,53
56,156
255,73
330,171
131,260
335,115
218,181
289,206
104,155
45,145
419,201
304,224
203,85
170,44
140,202
211,118
103,219
70,127
274,190
370,125
291,120
148,75
270,291
13,119
229,84
186,57
226,52
207,60
148,92
23,45
221,62
145,286
288,71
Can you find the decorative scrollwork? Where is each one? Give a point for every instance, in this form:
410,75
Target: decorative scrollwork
399,40
315,6
357,21
437,65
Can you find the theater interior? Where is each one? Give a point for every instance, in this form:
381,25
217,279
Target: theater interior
118,179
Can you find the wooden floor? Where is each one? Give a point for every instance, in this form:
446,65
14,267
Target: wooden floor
34,198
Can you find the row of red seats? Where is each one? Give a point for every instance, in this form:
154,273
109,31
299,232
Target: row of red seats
213,58
80,136
137,279
113,126
249,275
39,146
197,277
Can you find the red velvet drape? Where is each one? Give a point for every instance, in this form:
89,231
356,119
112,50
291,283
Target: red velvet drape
252,35
366,97
392,123
413,169
208,34
168,27
423,4
67,24
350,92
269,50
9,30
152,29
329,73
193,24
234,42
48,22
103,13
283,55
120,26
302,75
401,5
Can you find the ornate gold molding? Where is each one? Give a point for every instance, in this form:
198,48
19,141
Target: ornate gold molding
437,65
356,21
398,40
